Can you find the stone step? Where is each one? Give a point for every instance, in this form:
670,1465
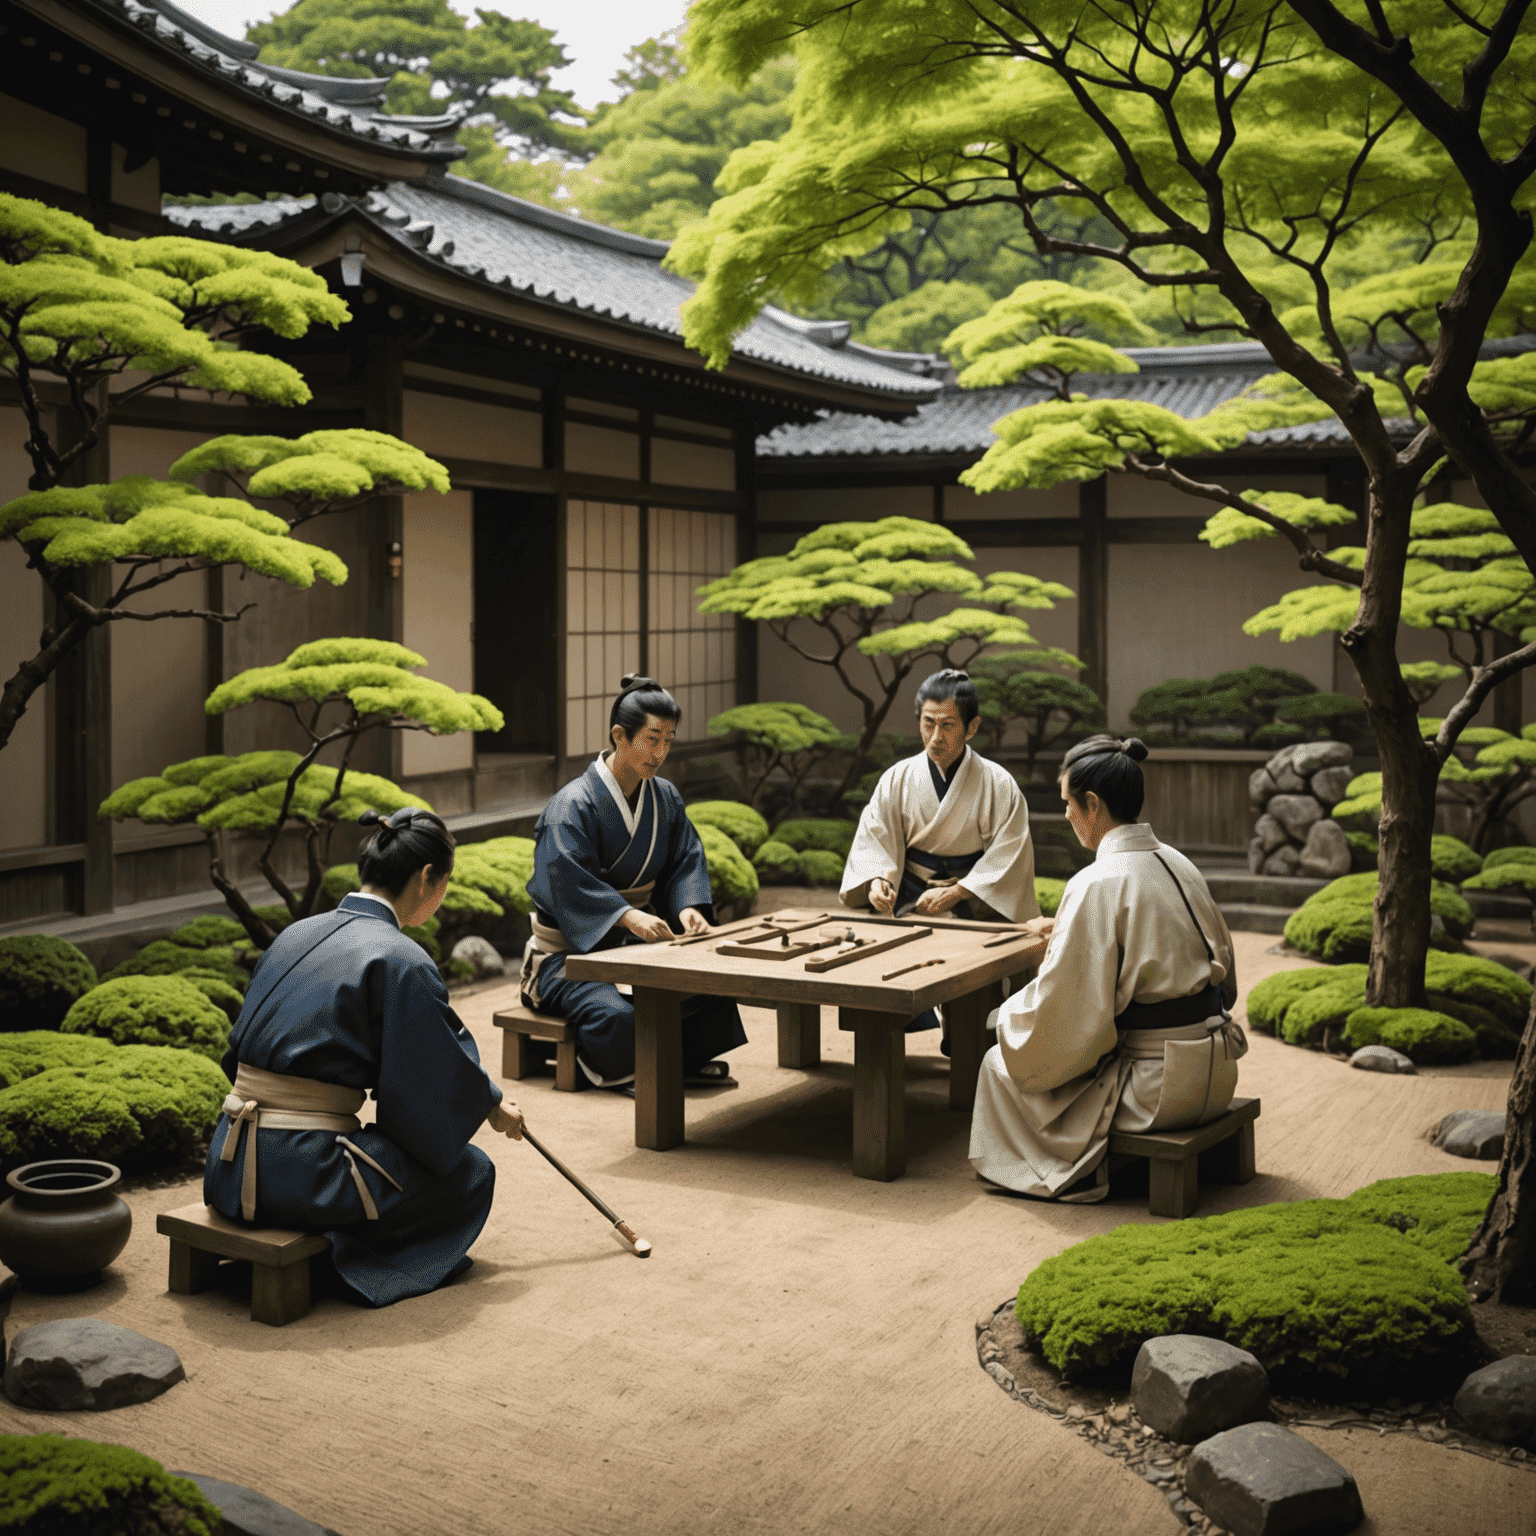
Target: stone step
1261,890
1254,917
504,778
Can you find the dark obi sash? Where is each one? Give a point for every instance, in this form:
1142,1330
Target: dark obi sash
938,868
1173,1012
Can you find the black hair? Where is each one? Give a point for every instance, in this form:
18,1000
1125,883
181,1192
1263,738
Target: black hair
409,840
951,683
1111,769
639,697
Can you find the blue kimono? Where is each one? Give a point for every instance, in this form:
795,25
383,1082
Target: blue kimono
586,854
346,998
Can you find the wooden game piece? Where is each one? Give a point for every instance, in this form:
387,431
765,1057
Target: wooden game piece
864,951
916,965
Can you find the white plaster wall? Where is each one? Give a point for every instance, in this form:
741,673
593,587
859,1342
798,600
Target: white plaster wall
438,573
470,429
675,463
42,146
24,760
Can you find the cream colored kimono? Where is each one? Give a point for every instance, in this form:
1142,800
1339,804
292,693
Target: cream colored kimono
1061,1074
983,808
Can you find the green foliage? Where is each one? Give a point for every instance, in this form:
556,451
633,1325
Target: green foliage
165,957
1329,1295
777,746
776,863
487,878
56,1484
342,880
209,932
151,1010
825,832
1424,679
1334,924
40,978
922,319
1051,708
1492,1000
731,876
1364,850
820,866
1522,854
1235,708
1451,860
77,1096
744,826
1312,1011
1419,1033
1049,893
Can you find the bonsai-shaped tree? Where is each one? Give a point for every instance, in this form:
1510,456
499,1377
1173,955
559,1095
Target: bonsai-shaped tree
1257,706
855,589
86,309
362,685
778,739
1051,708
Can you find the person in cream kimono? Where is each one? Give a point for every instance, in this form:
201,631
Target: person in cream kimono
1126,1026
946,831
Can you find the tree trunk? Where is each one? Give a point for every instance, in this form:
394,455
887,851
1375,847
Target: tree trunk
1500,1261
1400,935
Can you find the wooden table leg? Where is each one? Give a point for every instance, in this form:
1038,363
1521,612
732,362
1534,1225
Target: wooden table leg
799,1034
658,1068
967,1018
879,1093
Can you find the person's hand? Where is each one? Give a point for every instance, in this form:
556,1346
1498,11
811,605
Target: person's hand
693,920
1040,927
507,1118
882,895
646,925
939,898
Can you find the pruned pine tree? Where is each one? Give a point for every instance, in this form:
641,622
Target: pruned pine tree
105,321
337,691
852,590
777,746
1052,709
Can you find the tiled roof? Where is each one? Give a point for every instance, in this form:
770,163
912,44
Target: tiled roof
349,106
493,238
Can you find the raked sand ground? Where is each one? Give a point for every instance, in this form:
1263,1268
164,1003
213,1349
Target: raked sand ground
797,1356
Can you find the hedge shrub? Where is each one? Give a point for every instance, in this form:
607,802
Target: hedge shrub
776,863
1421,1034
56,1485
151,1010
1331,1296
1452,860
731,877
1492,1000
78,1096
1049,893
821,866
211,933
1501,856
744,826
1334,924
826,832
1364,850
165,957
40,978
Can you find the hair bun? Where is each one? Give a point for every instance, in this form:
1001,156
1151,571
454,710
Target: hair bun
369,818
1134,748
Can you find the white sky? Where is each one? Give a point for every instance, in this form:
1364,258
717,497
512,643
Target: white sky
595,33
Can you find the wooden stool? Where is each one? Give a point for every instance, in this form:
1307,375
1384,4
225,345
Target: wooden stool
279,1260
519,1027
1227,1143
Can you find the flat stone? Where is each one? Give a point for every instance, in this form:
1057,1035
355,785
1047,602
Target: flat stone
1269,831
248,1513
1298,814
1282,861
1325,854
1476,1133
1311,756
1260,788
481,954
1382,1058
1187,1387
1262,1480
83,1363
1329,784
1499,1401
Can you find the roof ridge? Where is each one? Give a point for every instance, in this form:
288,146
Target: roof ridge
466,190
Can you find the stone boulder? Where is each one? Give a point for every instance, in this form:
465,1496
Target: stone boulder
1499,1401
1313,756
1283,861
248,1513
1260,788
1475,1133
1188,1387
481,954
1325,854
1382,1058
1269,832
1328,785
84,1364
1262,1480
1298,814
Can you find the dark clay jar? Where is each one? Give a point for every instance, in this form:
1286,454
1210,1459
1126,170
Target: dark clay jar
64,1223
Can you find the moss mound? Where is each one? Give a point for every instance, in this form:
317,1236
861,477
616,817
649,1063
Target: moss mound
40,978
820,866
1487,997
1419,1033
56,1485
776,863
1329,1295
165,957
731,877
1049,893
1334,924
1364,850
826,832
744,826
1452,860
211,933
78,1096
151,1010
1502,856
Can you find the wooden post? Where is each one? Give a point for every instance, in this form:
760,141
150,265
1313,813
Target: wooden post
967,1019
799,1034
879,1092
383,525
279,1294
1093,586
746,549
193,1270
658,1068
1175,1187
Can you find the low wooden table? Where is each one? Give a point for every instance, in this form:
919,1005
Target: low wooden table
975,958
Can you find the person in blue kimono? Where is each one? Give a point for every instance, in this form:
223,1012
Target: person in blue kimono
341,1006
617,862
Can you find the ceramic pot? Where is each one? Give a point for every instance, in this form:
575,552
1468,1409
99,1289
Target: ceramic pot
64,1223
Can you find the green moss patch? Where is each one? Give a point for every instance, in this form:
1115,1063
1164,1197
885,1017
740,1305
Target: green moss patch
56,1485
1452,860
776,863
151,1010
731,876
1364,850
744,826
825,832
1421,1034
40,978
1049,893
1331,1296
165,957
820,866
1334,924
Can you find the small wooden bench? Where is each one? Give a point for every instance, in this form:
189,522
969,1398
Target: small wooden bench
279,1260
1226,1142
520,1027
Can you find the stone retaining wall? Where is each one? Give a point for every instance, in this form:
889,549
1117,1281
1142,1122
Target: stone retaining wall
1294,792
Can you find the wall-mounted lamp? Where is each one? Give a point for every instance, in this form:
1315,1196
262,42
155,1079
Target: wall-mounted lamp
352,264
396,560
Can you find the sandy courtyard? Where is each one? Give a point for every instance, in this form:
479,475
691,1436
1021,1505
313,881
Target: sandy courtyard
797,1356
